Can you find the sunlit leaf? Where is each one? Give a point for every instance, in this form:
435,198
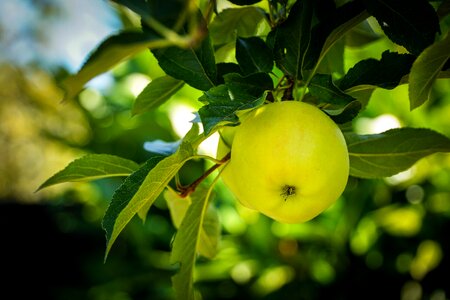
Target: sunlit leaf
253,55
362,93
122,198
388,153
186,243
177,205
412,24
210,231
426,69
128,201
91,167
208,245
195,66
111,51
156,93
233,22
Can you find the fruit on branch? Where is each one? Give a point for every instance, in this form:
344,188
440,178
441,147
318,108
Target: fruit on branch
289,161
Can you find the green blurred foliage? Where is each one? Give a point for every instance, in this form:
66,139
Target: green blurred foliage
383,238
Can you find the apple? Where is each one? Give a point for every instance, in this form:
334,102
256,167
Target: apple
289,161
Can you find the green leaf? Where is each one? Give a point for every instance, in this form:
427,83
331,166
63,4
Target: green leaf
219,108
128,201
292,39
233,22
196,67
121,200
245,88
388,153
210,231
385,73
208,245
346,113
156,93
361,35
186,243
177,205
362,93
111,51
323,88
166,12
238,93
327,32
253,55
91,167
412,24
244,2
443,9
333,61
226,68
426,69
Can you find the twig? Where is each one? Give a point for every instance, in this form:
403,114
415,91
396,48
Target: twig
186,191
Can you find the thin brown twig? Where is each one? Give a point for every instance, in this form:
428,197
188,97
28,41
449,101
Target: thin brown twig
186,191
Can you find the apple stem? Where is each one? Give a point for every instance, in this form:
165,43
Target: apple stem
186,191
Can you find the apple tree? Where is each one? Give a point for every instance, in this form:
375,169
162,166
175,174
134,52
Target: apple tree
244,54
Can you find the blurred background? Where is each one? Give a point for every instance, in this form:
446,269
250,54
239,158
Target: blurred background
384,238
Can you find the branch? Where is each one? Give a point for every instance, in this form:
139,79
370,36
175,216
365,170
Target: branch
186,191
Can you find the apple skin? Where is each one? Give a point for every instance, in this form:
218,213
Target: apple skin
289,161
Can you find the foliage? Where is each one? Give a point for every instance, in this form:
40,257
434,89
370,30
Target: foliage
278,52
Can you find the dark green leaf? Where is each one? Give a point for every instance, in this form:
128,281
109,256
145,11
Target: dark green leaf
137,195
327,32
166,12
426,69
233,22
253,55
156,93
443,9
91,167
385,73
323,88
238,93
226,68
196,67
346,113
393,151
244,2
292,38
185,246
245,88
412,24
361,35
220,108
113,50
